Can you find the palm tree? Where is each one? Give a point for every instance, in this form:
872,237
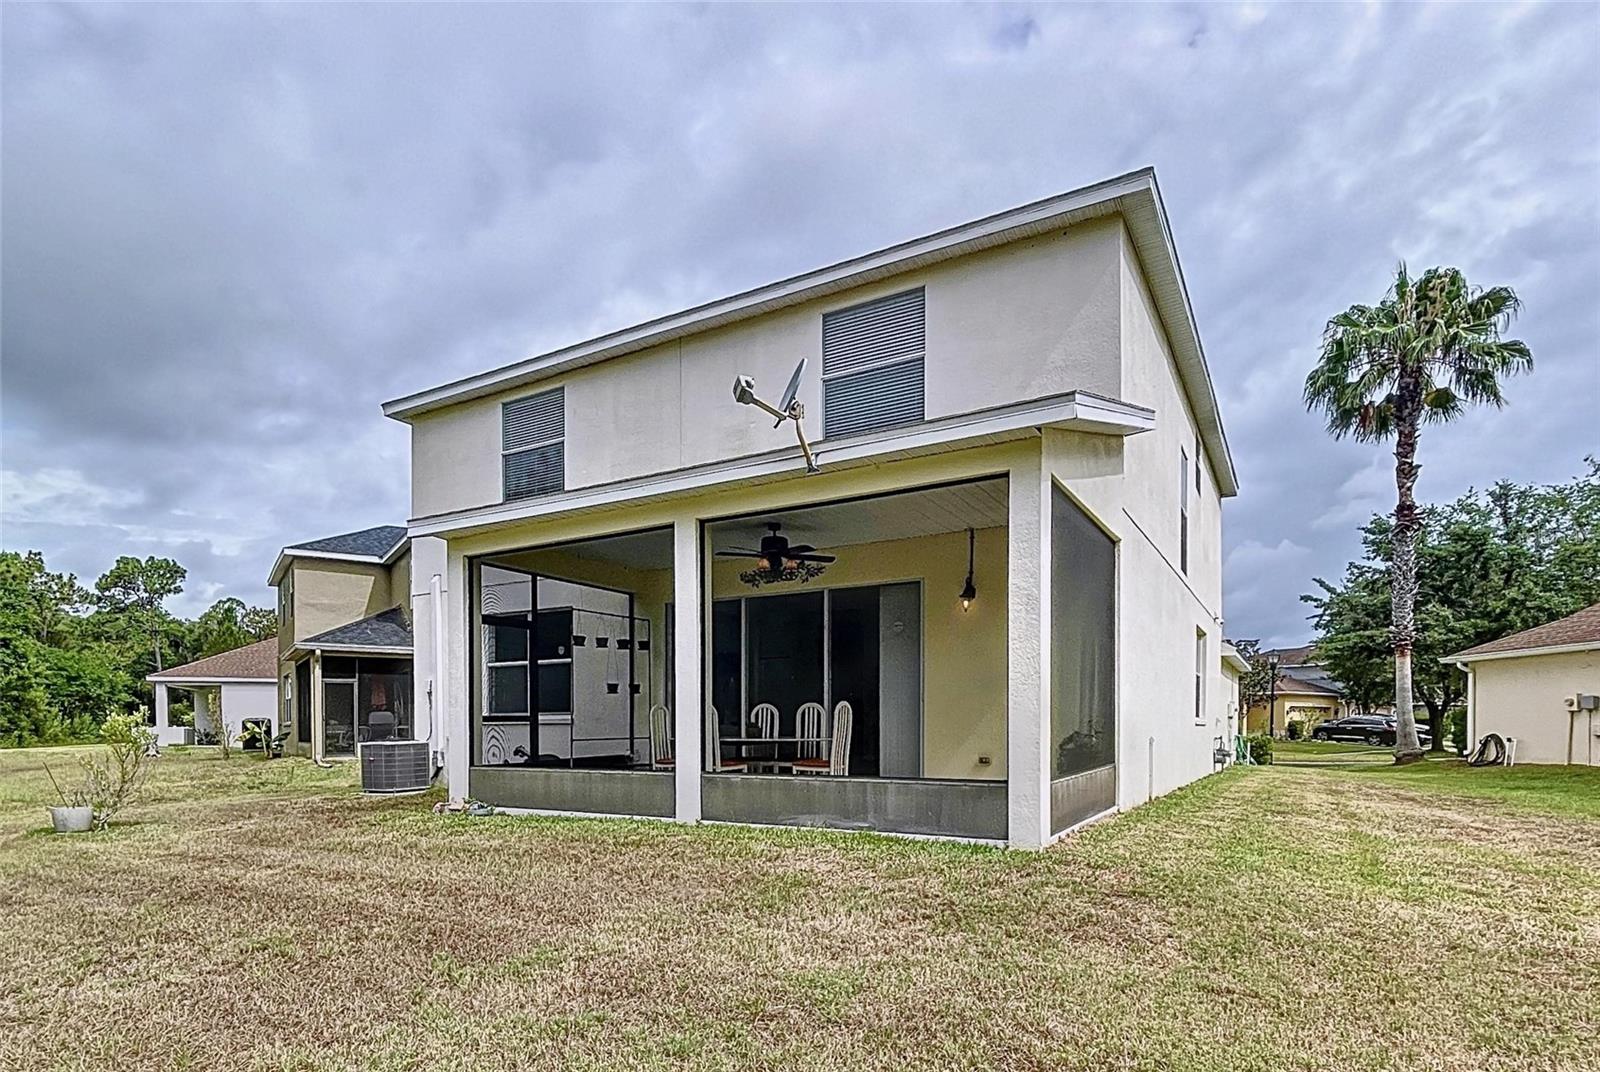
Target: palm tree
1431,347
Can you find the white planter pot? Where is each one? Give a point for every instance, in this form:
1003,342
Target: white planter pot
72,820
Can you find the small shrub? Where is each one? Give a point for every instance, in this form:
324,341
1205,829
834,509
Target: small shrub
111,784
1260,745
1295,730
1455,729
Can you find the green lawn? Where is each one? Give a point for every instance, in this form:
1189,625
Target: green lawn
264,915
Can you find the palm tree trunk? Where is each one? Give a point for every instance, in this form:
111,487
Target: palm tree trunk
1403,569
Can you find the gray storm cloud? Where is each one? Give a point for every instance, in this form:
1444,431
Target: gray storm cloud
229,232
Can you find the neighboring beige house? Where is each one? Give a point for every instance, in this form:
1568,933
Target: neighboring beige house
1234,667
1306,693
994,611
1541,686
343,653
228,691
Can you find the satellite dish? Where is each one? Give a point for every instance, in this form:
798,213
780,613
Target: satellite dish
744,393
793,389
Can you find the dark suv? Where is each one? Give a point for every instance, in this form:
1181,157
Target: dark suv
1373,729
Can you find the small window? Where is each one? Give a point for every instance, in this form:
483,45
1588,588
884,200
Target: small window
1199,677
533,444
1183,510
286,602
872,364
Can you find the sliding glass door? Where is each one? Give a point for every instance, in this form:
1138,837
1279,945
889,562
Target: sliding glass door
860,645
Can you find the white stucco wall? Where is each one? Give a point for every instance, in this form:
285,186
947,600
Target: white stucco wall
249,700
1022,321
1523,697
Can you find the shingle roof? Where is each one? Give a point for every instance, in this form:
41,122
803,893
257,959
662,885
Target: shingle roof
388,629
1580,628
376,542
1295,684
1303,655
253,662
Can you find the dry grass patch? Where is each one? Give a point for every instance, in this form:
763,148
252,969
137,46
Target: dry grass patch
264,916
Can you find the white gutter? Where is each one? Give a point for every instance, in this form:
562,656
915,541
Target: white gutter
1464,658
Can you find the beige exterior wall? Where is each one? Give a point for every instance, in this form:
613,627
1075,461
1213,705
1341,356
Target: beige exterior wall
1022,321
1523,696
1310,708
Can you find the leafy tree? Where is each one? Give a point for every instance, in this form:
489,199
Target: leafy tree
1431,347
230,623
136,589
1490,563
1255,684
43,603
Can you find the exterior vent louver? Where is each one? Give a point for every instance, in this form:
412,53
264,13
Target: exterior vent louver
872,364
532,443
394,766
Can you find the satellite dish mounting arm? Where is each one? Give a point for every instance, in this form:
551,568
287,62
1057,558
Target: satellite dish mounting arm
744,392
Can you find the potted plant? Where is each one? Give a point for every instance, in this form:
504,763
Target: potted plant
74,815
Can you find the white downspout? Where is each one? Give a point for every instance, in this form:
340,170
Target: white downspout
438,738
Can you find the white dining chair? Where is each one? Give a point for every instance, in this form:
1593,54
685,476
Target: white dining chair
764,717
714,759
661,738
810,727
837,761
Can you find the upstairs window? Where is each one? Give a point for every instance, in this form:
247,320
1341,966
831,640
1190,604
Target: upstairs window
1183,509
872,364
533,432
1199,676
286,602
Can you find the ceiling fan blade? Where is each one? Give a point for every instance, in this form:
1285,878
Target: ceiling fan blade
739,552
801,549
811,558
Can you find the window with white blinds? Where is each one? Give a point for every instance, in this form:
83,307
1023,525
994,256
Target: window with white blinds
872,360
533,444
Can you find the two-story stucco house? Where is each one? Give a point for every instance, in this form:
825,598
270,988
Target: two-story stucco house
344,641
993,612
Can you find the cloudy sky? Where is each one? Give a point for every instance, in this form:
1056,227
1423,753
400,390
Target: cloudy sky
230,232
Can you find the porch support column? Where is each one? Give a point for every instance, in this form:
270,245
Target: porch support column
1028,643
689,599
316,705
163,727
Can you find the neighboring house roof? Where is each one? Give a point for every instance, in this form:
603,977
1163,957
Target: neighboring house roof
1575,632
387,631
378,545
374,542
253,662
1297,685
1135,196
1304,655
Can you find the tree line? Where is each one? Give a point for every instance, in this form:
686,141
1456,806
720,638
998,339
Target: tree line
1489,563
70,656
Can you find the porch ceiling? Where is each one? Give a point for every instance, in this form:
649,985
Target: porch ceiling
927,512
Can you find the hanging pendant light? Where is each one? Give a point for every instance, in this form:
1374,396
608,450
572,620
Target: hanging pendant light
969,591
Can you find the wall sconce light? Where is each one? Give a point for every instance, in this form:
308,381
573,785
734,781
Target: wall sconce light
969,591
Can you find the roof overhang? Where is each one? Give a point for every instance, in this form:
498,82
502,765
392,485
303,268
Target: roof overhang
1231,657
1135,196
352,649
1462,659
1073,411
284,556
157,679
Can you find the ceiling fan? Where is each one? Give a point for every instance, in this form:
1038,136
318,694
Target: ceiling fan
779,561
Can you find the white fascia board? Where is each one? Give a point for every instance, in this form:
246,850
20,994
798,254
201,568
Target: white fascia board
1074,411
353,649
157,679
287,553
1520,653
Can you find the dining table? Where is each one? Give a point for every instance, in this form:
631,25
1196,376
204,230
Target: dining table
772,744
